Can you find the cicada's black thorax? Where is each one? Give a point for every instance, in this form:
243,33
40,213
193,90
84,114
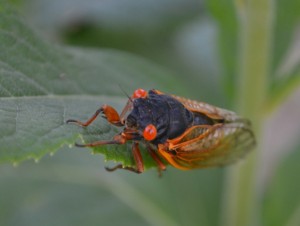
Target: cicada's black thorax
167,114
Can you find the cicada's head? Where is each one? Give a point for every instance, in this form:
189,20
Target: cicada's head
147,116
158,117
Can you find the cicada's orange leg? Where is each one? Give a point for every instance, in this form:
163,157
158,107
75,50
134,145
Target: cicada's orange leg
128,107
160,165
122,138
138,160
108,112
118,139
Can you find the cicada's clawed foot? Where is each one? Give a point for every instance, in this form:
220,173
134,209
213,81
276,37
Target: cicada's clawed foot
120,166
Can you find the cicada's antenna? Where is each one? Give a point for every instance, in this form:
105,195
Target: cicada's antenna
127,107
126,94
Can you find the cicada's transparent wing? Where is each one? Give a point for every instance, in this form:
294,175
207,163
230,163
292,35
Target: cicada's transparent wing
209,146
209,110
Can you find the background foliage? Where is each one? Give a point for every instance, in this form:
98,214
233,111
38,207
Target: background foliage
64,58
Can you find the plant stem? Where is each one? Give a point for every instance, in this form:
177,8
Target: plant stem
241,196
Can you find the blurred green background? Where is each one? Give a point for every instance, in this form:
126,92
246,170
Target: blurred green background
197,49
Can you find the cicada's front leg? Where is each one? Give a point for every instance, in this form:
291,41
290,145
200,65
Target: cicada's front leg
107,112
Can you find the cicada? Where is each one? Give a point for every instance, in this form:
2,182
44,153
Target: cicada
185,133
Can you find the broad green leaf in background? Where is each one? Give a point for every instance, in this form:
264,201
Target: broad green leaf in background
43,85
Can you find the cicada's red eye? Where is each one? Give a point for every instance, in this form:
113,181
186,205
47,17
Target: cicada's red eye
140,93
150,132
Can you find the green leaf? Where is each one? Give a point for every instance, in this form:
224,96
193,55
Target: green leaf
42,85
282,202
